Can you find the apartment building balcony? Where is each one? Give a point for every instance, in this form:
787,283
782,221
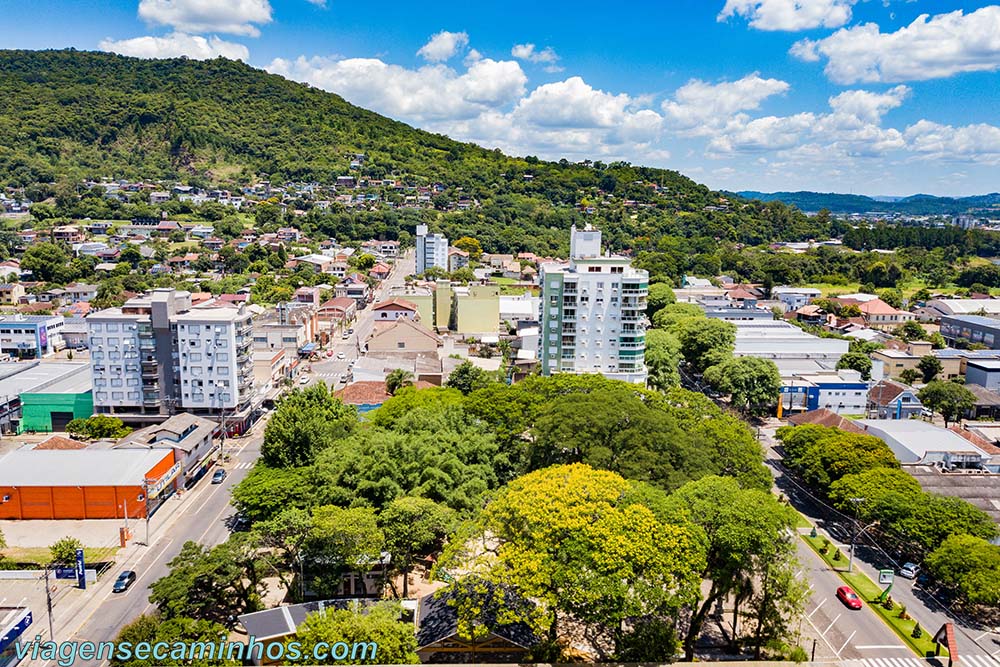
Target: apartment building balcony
631,344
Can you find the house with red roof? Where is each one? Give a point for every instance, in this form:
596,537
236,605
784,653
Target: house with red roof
395,308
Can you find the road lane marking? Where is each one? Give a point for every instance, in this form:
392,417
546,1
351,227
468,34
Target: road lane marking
818,607
848,641
831,625
878,646
823,637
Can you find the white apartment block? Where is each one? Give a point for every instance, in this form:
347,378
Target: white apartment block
157,355
216,362
432,250
593,313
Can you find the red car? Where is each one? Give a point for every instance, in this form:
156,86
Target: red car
847,595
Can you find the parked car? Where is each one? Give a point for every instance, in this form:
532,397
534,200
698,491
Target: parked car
346,336
350,331
909,570
123,582
218,476
304,380
345,377
850,599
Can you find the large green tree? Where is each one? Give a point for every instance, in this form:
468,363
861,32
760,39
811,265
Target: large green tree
705,342
305,423
343,540
180,634
660,296
412,527
568,539
858,361
375,635
749,547
212,584
663,356
753,384
948,399
929,366
284,537
970,566
467,377
47,262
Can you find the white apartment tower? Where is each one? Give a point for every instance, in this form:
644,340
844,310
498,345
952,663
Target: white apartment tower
432,250
158,355
593,313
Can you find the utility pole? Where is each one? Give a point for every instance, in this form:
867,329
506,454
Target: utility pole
145,494
48,601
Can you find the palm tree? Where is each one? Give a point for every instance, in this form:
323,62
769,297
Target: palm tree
398,379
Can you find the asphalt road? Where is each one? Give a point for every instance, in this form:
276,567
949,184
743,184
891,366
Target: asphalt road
855,631
332,369
203,520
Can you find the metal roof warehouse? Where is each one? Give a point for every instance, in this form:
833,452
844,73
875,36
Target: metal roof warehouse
80,484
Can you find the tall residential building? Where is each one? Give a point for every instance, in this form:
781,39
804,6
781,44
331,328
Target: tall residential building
593,313
157,355
432,250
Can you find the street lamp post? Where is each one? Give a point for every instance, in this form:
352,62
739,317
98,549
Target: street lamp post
857,533
850,562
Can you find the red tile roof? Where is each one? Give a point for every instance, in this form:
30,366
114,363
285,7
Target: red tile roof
395,302
825,417
59,442
978,441
885,392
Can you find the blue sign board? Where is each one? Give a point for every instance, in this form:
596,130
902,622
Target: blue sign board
65,572
10,634
793,390
81,573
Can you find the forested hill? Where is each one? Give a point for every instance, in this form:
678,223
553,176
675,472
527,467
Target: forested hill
843,203
98,114
67,116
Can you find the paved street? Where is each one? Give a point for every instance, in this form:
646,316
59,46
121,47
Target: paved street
331,369
203,519
862,638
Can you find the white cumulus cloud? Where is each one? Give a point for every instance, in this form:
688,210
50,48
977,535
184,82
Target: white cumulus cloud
443,46
237,17
931,47
698,106
432,92
546,56
969,143
789,15
175,45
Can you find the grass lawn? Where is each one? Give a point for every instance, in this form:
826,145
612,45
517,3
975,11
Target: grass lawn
801,521
42,555
869,591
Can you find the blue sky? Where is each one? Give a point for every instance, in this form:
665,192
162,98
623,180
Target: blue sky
867,96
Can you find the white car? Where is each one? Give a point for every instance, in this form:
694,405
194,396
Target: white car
340,355
909,570
304,380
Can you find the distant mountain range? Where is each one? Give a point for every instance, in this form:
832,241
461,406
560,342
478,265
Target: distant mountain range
919,204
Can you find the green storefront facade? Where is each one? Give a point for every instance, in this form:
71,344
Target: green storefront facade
44,412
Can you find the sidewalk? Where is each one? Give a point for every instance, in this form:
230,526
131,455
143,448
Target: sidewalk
73,606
